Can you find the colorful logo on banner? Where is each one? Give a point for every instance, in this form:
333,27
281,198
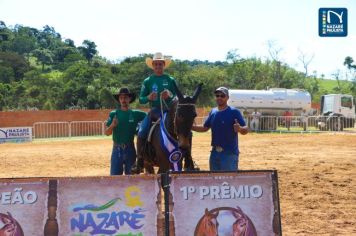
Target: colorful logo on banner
111,217
170,146
332,22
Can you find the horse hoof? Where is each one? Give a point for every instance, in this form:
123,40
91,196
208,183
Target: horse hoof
192,169
136,171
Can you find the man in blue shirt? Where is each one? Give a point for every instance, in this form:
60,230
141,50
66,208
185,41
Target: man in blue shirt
225,123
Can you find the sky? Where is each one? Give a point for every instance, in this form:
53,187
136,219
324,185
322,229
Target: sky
195,29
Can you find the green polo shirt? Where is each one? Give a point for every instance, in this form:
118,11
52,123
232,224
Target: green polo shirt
125,130
163,82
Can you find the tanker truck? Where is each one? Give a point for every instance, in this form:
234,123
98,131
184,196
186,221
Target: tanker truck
270,103
337,111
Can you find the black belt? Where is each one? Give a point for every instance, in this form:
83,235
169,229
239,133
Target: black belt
123,145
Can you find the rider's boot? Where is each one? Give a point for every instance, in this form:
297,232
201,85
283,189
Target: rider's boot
137,168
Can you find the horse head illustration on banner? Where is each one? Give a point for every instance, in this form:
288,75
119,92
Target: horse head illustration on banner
9,226
208,225
225,221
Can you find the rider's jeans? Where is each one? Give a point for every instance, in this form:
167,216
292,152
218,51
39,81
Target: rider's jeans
123,156
146,123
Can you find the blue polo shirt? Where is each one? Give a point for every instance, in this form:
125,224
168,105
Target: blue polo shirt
222,128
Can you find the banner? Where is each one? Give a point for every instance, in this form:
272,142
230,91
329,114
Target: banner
23,207
243,203
15,134
203,203
120,206
125,205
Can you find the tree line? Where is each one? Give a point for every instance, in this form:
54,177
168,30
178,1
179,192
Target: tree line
41,70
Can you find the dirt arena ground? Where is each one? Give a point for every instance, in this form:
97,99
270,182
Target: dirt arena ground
317,172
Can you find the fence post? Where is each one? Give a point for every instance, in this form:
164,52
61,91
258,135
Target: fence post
70,129
165,187
277,120
103,128
33,131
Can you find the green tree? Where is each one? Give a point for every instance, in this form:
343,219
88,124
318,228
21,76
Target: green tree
16,62
25,40
348,62
60,53
88,50
69,43
24,44
106,98
6,36
45,56
48,38
4,96
7,74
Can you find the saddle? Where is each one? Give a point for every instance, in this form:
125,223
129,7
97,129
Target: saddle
153,126
149,154
148,151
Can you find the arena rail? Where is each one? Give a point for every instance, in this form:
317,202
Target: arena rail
51,130
87,128
302,124
68,129
263,124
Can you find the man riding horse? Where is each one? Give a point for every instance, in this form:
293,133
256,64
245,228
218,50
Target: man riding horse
154,88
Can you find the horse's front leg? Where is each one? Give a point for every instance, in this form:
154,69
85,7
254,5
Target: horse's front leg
149,167
187,154
188,161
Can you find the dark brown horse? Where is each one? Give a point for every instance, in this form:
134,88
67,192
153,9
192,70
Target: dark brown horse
178,123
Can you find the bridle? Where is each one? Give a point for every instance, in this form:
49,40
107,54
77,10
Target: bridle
175,114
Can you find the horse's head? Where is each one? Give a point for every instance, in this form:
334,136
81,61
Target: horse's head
8,227
185,115
209,224
242,226
239,227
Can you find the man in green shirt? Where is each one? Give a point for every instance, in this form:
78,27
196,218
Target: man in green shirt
154,88
122,124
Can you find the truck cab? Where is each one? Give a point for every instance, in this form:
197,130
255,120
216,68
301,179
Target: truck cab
337,111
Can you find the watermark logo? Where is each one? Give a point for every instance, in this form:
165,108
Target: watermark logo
332,22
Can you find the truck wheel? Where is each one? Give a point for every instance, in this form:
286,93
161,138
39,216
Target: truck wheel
336,124
321,124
